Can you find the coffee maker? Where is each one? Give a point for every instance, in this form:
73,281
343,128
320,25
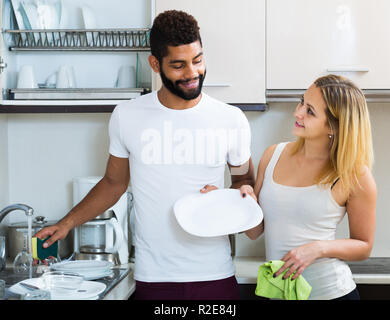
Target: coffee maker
106,236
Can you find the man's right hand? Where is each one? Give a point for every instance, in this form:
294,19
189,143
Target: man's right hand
56,232
101,197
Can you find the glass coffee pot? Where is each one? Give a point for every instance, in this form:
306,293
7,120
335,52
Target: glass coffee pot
101,235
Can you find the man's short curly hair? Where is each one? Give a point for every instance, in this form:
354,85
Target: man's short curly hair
172,28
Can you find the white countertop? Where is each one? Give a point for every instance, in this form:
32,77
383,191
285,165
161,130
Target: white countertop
125,288
246,273
247,269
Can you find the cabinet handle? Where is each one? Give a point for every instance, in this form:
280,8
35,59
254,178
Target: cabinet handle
3,65
217,85
348,69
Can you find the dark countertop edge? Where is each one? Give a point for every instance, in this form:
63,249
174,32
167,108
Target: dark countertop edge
99,108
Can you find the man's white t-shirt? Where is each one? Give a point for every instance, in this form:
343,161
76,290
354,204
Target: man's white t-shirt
173,153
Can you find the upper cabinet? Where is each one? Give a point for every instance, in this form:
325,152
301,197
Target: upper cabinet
307,39
78,53
233,37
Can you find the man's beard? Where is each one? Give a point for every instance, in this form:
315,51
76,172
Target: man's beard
174,87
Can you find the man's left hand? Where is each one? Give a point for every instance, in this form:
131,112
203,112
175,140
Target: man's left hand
208,188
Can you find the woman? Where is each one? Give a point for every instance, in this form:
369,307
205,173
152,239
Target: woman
305,187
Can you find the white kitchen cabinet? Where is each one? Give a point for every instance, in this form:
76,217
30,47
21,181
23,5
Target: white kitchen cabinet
307,39
233,37
114,35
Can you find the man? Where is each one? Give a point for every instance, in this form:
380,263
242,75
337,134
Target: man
174,142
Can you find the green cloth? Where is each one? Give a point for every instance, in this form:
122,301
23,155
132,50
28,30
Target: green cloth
270,287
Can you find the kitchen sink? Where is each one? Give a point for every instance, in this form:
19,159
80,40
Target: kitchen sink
10,278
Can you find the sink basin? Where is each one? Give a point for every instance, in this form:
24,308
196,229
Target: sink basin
10,278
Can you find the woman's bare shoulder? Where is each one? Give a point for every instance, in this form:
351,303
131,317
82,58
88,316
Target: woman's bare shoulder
267,155
269,151
366,184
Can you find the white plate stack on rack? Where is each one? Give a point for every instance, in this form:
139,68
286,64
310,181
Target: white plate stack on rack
89,269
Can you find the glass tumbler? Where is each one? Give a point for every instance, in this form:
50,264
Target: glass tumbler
23,262
37,295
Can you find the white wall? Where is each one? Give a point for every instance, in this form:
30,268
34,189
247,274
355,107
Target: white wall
45,151
3,162
380,119
267,128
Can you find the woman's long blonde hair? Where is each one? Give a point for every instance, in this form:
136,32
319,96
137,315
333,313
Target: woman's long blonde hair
349,120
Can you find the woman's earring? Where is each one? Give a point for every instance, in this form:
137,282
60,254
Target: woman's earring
330,136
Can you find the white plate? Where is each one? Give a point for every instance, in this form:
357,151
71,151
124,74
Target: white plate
29,10
96,275
88,17
86,265
16,6
216,213
90,269
93,289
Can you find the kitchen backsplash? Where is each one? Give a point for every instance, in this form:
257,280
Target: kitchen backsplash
41,153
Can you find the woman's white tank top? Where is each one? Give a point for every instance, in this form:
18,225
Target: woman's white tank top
294,216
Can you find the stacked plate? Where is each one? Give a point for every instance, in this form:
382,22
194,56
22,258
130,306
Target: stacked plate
89,269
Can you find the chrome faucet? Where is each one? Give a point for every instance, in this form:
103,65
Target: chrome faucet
28,210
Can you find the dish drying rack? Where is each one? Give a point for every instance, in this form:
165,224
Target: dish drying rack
79,40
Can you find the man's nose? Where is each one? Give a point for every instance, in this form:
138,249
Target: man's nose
190,72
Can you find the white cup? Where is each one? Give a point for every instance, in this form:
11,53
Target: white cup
66,77
126,77
26,78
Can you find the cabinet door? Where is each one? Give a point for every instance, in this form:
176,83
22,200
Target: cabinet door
307,39
233,37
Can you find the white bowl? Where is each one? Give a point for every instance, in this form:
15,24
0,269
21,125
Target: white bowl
61,283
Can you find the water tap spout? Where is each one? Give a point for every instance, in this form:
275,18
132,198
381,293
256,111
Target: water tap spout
27,209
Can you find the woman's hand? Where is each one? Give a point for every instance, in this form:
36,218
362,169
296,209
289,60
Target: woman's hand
298,259
247,190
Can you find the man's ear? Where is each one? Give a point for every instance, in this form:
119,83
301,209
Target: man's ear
154,64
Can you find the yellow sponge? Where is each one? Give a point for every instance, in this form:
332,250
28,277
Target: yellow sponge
41,253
